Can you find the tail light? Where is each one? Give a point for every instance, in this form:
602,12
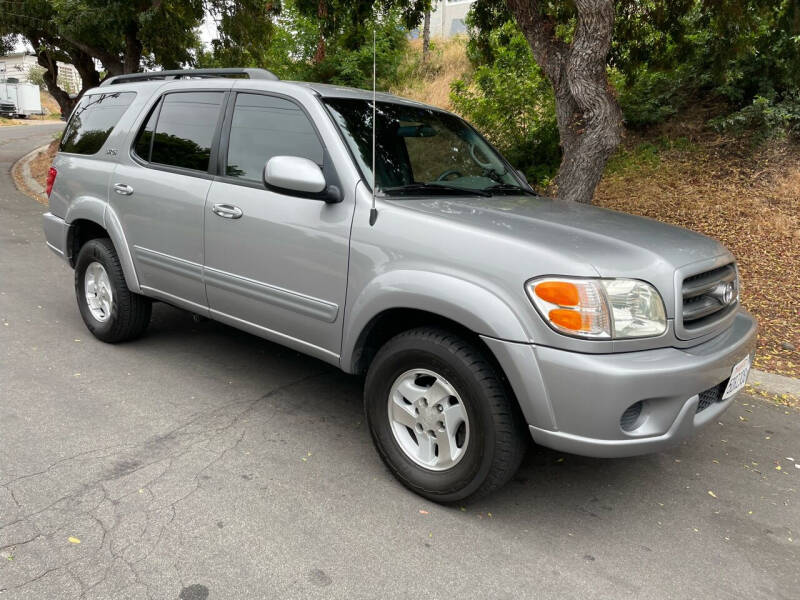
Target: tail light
51,179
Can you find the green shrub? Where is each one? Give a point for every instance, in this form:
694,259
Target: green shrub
767,117
512,104
743,55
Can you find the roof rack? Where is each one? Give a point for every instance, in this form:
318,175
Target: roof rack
192,74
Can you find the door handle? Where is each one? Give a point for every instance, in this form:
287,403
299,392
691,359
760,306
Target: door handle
227,211
122,189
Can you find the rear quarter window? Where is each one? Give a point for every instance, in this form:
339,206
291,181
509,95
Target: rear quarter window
93,121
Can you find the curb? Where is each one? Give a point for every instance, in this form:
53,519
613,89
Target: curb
21,173
33,123
774,384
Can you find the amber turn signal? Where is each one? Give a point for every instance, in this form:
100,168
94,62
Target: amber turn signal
562,293
568,319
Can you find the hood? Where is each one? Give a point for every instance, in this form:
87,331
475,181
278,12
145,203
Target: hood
616,244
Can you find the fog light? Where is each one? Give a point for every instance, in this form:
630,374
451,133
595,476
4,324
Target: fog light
630,418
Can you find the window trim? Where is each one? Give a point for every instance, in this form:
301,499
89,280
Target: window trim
73,115
157,105
328,169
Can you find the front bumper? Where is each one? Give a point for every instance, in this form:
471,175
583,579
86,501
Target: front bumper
55,233
574,402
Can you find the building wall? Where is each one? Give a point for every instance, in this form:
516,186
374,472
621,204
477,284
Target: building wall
447,17
19,65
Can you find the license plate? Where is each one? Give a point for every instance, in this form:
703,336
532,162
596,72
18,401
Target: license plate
738,378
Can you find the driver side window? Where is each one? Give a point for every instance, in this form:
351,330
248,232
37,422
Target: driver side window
267,126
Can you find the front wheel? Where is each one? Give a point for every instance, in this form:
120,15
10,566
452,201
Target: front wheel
110,310
441,417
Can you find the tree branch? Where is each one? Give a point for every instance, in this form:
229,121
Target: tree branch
539,30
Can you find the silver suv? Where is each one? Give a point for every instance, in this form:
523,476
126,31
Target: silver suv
481,314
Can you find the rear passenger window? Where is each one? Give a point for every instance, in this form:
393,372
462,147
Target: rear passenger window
263,127
184,131
144,140
93,121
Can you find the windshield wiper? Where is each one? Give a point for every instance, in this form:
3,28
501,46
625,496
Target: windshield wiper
433,187
510,187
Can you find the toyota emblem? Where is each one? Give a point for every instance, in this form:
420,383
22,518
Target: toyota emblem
728,294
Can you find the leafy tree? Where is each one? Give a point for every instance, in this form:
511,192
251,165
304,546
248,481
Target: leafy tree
246,29
335,48
661,56
125,36
35,22
344,20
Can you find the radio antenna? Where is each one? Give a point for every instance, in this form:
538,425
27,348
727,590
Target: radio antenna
373,212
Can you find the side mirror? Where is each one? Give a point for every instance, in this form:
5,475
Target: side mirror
300,176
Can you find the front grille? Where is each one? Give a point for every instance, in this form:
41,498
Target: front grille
7,108
709,296
711,396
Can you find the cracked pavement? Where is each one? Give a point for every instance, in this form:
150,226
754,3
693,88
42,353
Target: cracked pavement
201,462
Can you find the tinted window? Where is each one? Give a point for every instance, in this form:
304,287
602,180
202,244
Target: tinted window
145,138
93,120
185,129
417,145
263,127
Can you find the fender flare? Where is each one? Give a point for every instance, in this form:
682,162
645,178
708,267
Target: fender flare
99,212
477,308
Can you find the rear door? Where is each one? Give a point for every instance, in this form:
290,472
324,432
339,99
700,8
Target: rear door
159,193
280,268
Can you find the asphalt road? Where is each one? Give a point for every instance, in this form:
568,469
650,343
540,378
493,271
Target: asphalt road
201,462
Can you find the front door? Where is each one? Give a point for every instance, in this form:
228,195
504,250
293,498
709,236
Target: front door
274,263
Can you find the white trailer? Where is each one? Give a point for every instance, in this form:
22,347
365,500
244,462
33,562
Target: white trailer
26,98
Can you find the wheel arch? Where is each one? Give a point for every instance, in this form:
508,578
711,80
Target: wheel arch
399,301
91,218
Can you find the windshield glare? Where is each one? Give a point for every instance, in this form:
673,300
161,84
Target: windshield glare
418,147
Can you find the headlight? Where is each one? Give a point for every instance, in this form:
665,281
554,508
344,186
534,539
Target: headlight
599,308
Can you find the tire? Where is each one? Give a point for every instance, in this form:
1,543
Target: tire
493,432
126,315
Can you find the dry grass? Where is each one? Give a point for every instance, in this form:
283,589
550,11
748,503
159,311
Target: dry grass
746,196
430,82
50,105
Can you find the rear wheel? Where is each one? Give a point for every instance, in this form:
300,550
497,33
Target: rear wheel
110,310
441,417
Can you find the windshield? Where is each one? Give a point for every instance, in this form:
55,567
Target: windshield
420,150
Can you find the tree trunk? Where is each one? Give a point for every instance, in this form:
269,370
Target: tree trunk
50,76
322,14
133,50
589,117
426,36
86,69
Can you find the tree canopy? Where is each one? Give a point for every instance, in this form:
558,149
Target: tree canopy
544,70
